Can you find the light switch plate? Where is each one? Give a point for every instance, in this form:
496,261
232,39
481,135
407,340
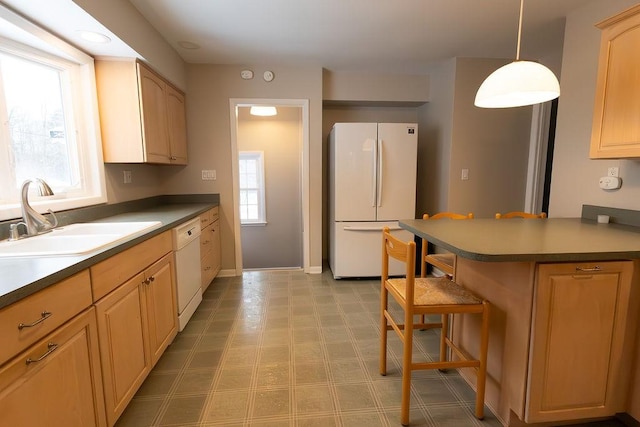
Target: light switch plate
208,175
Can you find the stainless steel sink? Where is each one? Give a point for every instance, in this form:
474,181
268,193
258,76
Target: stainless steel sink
75,239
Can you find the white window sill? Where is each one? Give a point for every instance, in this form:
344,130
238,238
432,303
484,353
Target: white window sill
254,224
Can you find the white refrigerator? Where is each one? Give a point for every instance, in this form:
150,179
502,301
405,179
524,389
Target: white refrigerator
372,184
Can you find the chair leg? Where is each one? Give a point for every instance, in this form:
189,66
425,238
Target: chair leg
482,369
443,337
406,368
384,296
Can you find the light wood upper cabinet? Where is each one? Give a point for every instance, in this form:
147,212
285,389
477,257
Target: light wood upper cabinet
578,367
616,124
142,116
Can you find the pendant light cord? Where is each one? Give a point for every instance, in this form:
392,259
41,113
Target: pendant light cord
519,30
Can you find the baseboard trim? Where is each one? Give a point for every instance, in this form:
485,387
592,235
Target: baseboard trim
227,273
317,269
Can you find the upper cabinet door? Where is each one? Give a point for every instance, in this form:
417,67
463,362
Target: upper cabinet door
153,92
142,116
177,126
616,128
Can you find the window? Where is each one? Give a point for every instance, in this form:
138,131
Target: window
252,209
47,106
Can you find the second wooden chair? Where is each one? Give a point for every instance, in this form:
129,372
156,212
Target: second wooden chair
518,214
445,262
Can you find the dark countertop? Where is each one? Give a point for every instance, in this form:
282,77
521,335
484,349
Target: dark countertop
23,276
537,240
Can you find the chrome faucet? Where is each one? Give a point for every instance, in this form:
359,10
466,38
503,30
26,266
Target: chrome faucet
34,222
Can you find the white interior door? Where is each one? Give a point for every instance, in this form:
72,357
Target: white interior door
397,152
352,171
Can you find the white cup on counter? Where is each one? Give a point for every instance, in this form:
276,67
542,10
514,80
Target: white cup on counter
603,219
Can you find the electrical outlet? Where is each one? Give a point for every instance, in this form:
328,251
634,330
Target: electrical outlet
613,172
465,174
126,177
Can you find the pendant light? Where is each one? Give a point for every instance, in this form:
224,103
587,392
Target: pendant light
518,83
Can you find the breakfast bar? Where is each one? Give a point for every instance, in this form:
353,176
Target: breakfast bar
564,312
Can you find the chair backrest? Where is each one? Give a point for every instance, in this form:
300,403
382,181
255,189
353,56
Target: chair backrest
405,252
450,215
425,244
517,214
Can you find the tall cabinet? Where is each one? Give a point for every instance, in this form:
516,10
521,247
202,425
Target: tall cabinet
142,116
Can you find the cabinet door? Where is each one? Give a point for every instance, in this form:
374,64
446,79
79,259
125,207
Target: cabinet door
177,126
161,306
215,249
616,128
577,341
123,349
154,116
61,386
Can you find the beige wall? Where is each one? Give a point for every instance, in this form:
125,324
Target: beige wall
208,127
491,143
575,176
146,181
375,87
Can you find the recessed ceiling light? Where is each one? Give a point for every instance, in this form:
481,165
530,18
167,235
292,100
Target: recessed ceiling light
92,36
263,110
188,45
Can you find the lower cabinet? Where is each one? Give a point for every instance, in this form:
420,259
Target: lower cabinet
57,381
210,246
136,322
578,367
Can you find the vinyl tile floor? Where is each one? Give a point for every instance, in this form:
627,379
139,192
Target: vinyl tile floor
284,348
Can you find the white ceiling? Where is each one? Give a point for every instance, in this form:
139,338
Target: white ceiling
383,35
341,35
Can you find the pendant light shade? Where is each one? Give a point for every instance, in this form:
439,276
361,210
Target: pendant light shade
518,83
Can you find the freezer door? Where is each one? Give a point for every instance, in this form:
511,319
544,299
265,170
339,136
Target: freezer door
356,249
352,183
397,166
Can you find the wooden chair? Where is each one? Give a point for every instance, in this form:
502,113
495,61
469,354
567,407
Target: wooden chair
419,296
444,262
520,215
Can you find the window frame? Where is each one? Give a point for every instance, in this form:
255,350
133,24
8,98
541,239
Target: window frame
36,44
261,187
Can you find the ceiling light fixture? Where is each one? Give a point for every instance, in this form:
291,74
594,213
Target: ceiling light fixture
92,36
188,45
518,83
263,110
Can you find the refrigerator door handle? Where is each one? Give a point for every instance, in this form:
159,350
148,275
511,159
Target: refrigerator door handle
380,177
374,170
369,228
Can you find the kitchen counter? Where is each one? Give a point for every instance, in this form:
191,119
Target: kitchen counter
564,306
545,240
23,276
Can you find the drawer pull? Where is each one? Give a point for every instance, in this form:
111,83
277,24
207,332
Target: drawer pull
45,315
206,242
51,348
207,268
589,269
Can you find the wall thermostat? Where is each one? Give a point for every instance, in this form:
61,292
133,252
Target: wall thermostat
268,76
246,74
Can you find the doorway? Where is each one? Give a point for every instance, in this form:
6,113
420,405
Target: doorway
276,237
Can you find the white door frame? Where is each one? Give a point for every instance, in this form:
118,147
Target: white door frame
538,143
234,103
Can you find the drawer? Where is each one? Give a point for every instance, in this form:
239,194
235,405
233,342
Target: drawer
208,269
206,240
111,273
208,217
62,301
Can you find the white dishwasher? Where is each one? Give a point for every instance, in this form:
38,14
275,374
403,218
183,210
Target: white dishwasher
186,246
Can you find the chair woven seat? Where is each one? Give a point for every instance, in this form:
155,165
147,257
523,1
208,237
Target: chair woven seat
436,291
